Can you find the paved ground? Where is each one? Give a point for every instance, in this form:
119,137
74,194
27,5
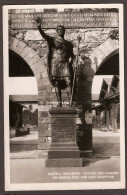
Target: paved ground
34,171
27,167
97,133
24,143
33,136
104,143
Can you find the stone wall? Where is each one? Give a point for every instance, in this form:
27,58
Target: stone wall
96,44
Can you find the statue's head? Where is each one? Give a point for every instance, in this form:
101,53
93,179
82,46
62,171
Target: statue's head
60,30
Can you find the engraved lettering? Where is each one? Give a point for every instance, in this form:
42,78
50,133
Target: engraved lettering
52,20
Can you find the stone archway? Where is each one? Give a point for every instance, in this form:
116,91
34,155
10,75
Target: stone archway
30,56
102,52
110,65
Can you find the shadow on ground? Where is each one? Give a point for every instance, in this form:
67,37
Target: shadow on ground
89,161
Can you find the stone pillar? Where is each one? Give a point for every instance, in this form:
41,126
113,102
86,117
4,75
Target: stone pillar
63,151
44,131
45,101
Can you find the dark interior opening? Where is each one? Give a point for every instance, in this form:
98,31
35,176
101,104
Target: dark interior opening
18,67
110,66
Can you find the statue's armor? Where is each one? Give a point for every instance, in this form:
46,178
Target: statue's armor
58,59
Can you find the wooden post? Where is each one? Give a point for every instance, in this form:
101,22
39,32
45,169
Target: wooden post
114,119
107,119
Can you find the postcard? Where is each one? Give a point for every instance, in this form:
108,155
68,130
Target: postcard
64,97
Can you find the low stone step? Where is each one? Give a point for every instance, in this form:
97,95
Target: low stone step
58,154
65,162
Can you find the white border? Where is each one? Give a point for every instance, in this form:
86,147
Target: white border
74,185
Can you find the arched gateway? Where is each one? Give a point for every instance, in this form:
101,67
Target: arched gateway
95,47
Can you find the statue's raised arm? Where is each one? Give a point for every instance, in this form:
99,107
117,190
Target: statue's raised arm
39,24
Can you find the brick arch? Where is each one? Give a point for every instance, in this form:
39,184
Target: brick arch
102,52
31,56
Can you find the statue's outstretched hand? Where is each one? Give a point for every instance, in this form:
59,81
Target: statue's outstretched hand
38,21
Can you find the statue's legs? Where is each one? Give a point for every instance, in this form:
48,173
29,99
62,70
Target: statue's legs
68,89
58,94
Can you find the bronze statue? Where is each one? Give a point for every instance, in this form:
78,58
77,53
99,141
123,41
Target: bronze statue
59,61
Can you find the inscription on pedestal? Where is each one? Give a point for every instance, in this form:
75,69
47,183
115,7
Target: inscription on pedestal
63,130
64,121
63,134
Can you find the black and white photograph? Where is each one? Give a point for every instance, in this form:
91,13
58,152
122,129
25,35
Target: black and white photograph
64,97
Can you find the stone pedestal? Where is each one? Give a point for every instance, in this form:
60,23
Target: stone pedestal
64,151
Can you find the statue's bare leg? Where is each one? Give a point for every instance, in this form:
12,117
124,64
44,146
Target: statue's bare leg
58,94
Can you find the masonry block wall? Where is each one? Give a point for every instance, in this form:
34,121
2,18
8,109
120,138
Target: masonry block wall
96,44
